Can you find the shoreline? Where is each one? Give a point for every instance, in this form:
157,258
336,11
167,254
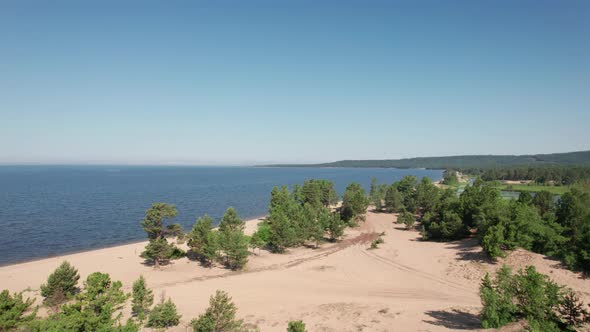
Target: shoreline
248,222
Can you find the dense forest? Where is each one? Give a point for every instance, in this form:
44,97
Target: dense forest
464,162
540,174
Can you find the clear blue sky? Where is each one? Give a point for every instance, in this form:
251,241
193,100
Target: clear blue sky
242,82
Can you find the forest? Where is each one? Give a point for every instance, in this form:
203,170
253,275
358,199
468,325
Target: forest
559,175
464,162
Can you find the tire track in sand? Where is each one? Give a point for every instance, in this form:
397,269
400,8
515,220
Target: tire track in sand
417,272
362,238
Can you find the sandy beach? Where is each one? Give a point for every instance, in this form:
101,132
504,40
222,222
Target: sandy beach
405,285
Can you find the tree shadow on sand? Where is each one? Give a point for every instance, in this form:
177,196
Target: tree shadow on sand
469,250
454,319
556,263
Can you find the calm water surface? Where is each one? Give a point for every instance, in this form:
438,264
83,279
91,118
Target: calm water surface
52,210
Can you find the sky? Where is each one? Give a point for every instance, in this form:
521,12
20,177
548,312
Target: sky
255,82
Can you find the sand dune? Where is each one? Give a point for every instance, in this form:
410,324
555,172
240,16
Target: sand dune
405,285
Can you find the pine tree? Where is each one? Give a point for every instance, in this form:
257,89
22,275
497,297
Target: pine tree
154,217
164,315
497,299
232,240
393,199
92,310
406,218
158,251
572,310
101,295
235,247
282,232
15,311
354,204
231,221
61,284
375,195
142,300
200,235
333,225
211,248
219,317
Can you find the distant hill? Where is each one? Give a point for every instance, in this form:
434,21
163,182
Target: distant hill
581,158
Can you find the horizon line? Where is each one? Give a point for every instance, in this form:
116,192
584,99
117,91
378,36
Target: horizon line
252,164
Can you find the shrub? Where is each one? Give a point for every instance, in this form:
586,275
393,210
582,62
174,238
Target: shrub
219,317
261,237
61,284
164,315
177,253
375,244
296,326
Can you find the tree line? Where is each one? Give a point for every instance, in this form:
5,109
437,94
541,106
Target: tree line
464,162
307,214
407,195
560,175
98,304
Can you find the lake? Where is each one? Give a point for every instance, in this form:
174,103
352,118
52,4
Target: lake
53,210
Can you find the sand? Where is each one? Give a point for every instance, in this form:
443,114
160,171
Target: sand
405,285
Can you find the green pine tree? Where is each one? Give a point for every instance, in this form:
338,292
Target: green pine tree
219,317
142,299
61,284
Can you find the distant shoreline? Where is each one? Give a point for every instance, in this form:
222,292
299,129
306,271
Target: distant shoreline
577,158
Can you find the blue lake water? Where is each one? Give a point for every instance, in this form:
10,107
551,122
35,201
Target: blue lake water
52,210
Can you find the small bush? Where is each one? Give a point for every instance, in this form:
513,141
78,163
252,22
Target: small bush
163,315
261,237
375,244
296,326
177,253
